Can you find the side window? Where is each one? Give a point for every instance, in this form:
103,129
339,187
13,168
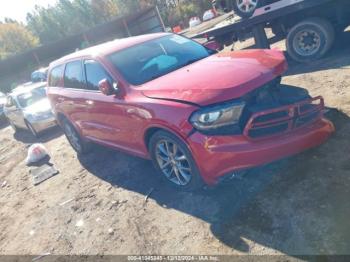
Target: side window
73,75
94,73
56,76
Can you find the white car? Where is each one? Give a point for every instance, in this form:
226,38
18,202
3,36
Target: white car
209,14
29,108
194,21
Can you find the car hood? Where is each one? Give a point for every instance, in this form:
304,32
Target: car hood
43,105
219,77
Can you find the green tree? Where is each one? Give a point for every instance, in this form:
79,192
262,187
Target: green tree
15,38
70,17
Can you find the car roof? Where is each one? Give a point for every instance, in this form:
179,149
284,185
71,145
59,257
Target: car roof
21,89
108,47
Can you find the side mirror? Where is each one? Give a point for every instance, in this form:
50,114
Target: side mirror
106,87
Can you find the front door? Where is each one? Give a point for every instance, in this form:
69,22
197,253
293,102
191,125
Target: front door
107,119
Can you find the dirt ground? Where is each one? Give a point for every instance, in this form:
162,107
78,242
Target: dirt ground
295,206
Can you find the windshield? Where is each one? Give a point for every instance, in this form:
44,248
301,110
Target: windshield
152,59
29,98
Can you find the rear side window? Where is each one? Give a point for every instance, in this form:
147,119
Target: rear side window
94,74
73,75
56,76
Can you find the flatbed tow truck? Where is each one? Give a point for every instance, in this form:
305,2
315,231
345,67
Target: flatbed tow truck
309,27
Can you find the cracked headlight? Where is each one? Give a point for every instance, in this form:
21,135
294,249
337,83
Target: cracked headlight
214,117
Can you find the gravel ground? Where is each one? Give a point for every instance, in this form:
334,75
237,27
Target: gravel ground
96,205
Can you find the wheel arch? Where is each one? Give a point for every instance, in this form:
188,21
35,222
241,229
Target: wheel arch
327,36
150,131
60,117
197,180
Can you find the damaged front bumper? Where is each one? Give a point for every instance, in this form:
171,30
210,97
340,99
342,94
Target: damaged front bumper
269,135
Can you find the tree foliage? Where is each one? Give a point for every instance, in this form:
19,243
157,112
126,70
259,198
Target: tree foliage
70,17
15,38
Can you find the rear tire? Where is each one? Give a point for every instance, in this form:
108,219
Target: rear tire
174,162
75,140
310,39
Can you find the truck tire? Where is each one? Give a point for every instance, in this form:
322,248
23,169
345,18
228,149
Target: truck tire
310,39
245,8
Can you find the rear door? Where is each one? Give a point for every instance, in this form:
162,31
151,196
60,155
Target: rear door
72,99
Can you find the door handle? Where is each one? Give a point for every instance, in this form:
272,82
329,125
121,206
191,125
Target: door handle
60,99
89,102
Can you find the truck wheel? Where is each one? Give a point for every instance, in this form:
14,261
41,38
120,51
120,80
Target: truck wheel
13,126
245,8
174,162
310,39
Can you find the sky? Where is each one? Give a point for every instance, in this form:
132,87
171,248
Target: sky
18,9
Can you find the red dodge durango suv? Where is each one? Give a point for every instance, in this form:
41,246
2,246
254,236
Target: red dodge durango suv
199,115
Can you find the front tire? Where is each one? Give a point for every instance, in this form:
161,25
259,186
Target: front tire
75,140
310,39
174,162
32,129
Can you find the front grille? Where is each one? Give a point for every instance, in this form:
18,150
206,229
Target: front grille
283,119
